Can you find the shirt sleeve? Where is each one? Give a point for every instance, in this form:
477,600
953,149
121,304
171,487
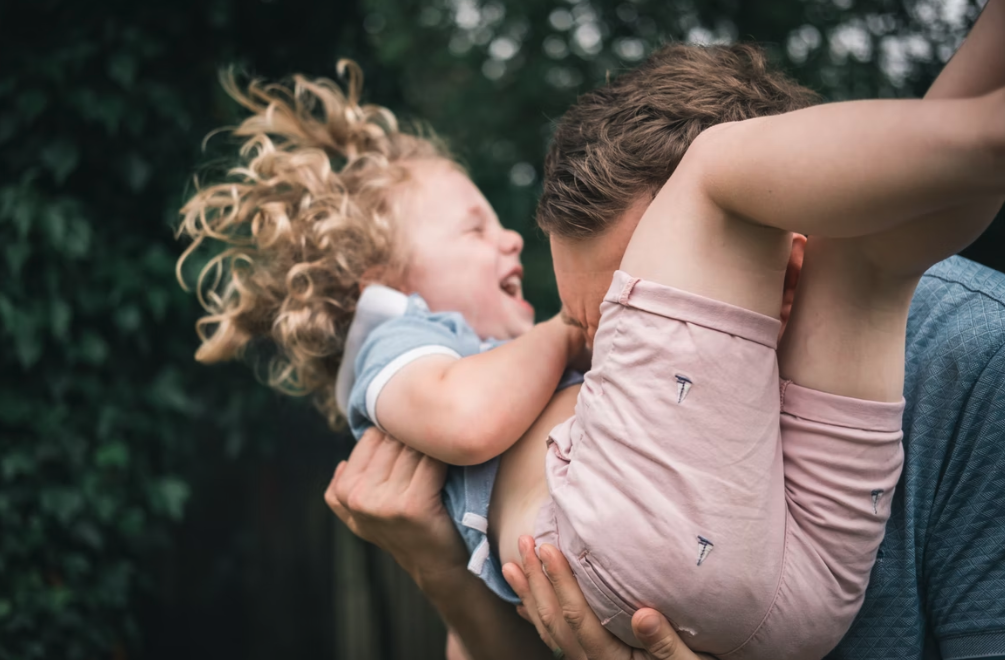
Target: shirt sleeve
396,344
964,553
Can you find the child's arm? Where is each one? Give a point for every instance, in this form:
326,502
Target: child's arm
977,68
850,169
466,411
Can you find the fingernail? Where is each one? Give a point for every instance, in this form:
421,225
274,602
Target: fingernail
545,554
649,624
525,544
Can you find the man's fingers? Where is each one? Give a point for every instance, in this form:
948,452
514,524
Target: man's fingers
357,464
545,603
404,468
518,583
379,468
429,474
659,637
592,636
365,448
331,499
526,609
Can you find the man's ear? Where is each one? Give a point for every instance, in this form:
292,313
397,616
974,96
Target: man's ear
792,272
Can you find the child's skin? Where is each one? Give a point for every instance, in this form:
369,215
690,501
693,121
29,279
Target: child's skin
459,258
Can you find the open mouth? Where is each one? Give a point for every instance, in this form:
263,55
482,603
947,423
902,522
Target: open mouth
512,285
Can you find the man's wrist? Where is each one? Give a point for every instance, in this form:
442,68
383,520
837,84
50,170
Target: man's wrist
440,581
436,564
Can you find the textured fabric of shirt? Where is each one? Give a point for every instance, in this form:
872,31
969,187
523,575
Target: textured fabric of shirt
937,589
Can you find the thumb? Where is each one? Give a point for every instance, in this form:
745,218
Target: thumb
658,636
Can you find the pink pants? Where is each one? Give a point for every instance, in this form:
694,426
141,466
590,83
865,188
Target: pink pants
687,484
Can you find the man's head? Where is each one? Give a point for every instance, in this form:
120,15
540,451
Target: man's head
617,146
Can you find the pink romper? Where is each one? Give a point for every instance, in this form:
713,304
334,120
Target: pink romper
686,483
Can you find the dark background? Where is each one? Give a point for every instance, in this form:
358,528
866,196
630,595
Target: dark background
154,508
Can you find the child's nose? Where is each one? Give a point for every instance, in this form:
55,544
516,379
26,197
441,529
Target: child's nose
512,242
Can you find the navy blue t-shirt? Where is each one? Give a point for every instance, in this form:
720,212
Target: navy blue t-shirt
938,587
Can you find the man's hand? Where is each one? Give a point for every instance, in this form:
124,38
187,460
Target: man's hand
389,494
554,603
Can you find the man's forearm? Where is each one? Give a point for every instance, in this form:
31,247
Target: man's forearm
489,627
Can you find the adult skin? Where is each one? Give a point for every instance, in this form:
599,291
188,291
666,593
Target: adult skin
977,68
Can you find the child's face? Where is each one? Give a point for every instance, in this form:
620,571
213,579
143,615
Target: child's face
459,258
585,267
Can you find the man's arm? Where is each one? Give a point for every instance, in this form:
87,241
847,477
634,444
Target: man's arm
389,494
466,411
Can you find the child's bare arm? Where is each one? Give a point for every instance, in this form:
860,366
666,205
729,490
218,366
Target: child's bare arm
851,169
466,411
977,68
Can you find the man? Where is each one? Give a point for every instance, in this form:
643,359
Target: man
938,587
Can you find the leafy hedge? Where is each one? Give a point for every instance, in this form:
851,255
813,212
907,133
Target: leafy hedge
102,408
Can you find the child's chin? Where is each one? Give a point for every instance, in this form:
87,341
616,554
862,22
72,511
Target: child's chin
526,324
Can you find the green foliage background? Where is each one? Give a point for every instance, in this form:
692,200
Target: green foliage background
109,432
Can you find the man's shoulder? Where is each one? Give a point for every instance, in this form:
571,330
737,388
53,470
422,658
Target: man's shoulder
951,494
958,281
958,309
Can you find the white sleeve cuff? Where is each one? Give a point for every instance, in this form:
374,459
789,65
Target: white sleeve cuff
394,366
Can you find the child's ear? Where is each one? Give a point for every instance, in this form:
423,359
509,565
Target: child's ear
379,274
792,272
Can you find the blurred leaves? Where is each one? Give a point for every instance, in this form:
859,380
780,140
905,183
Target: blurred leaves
102,408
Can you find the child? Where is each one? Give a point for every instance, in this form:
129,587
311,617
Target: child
332,216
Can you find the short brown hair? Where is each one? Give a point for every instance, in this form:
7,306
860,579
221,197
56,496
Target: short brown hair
626,138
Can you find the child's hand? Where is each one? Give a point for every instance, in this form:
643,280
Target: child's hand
578,352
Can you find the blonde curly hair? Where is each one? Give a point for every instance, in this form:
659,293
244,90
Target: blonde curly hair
306,213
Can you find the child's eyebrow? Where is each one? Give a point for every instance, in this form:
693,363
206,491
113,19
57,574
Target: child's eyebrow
477,215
